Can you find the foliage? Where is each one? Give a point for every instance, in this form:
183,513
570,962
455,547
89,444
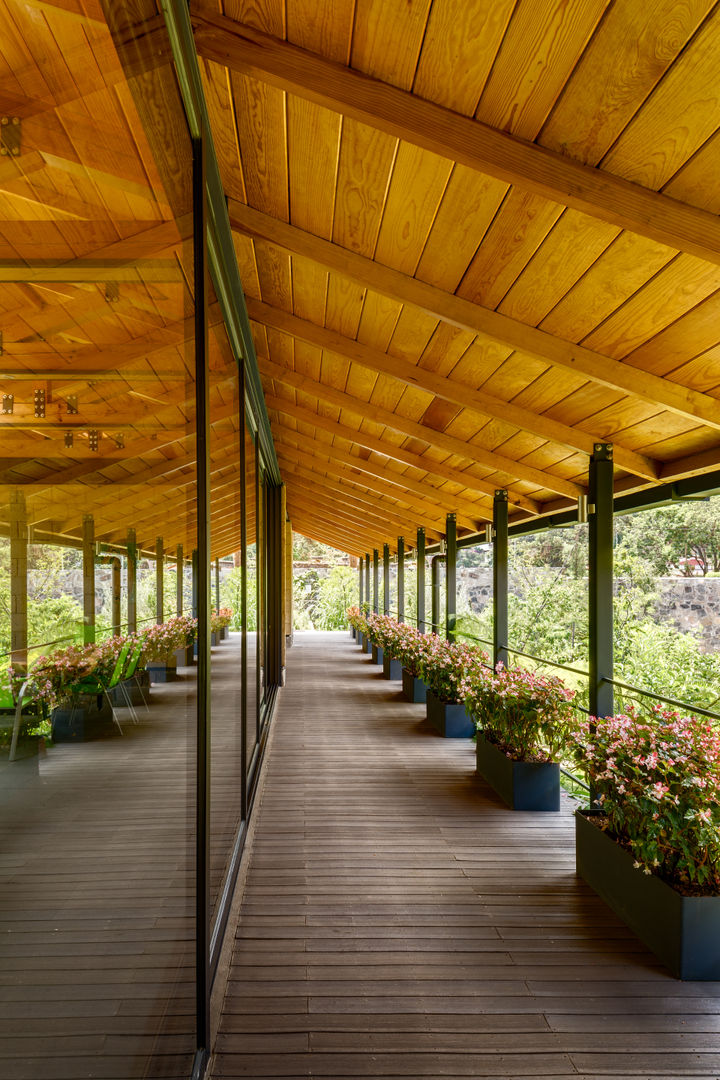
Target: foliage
324,599
51,613
448,667
231,596
221,619
658,783
58,676
163,640
530,717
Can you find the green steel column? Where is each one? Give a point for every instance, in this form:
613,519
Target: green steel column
500,578
88,555
360,582
386,579
116,572
367,581
451,577
180,576
217,584
132,561
159,590
435,586
18,582
421,580
600,579
401,578
376,580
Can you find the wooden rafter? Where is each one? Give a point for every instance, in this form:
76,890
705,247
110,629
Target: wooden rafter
458,138
396,422
448,389
444,306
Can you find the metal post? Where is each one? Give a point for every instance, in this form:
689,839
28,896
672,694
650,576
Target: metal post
194,585
217,584
451,577
116,569
202,599
132,562
18,582
421,580
88,555
367,580
376,580
401,578
386,579
435,584
360,582
180,580
159,590
500,578
600,580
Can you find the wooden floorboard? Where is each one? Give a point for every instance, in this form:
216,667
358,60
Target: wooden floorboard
97,936
397,921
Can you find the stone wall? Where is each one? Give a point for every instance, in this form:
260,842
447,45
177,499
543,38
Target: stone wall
691,604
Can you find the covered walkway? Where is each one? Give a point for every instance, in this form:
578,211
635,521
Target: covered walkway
397,920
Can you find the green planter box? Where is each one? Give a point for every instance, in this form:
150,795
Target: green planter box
449,719
414,689
682,931
392,669
523,785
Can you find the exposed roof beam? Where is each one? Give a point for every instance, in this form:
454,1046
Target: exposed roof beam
618,376
456,137
448,389
387,449
469,451
366,473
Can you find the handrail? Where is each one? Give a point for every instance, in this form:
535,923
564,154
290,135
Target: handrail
658,697
71,637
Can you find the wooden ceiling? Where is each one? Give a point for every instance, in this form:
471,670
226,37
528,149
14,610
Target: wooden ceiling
476,238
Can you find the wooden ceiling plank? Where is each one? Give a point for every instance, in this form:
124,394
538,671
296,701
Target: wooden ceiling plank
469,451
462,313
366,473
553,176
444,387
361,438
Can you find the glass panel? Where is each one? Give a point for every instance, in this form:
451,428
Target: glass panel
98,474
226,757
252,595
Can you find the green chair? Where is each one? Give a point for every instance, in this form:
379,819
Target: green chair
94,685
131,666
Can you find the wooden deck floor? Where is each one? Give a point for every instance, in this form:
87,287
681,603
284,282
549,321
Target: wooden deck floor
97,890
397,921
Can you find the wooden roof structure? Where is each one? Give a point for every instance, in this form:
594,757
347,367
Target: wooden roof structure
476,238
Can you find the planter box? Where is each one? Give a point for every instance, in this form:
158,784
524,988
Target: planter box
223,632
392,669
414,689
682,931
449,720
377,655
368,645
162,673
523,785
353,633
214,637
88,719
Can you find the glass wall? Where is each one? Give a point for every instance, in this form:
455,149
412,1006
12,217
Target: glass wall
125,782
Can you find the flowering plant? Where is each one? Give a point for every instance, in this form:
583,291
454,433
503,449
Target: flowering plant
57,677
220,619
448,667
658,784
529,716
164,639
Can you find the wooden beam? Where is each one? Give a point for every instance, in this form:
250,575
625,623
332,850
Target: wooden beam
458,138
469,451
594,366
150,270
430,502
388,450
305,480
449,389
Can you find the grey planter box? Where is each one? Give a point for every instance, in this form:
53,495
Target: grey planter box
377,655
137,689
414,688
161,673
449,720
88,719
392,669
682,931
368,644
523,785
